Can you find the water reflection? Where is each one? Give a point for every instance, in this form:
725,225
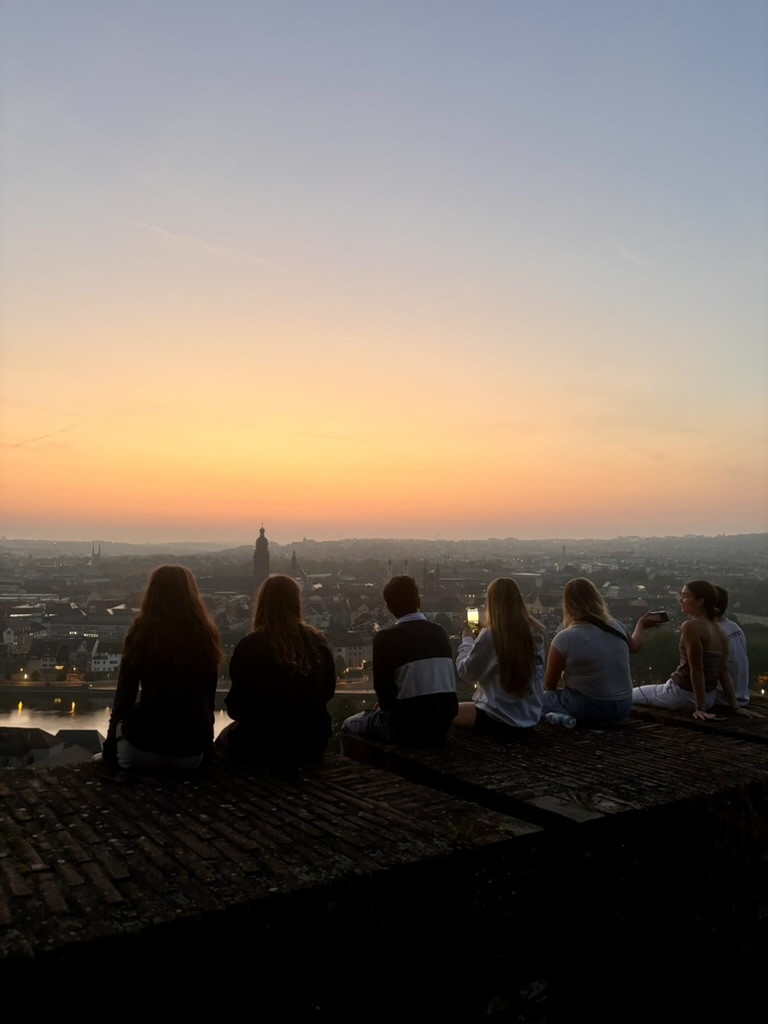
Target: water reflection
52,721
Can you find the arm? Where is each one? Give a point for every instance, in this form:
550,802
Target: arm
213,683
383,671
647,621
694,653
125,697
237,701
728,688
726,682
474,655
555,668
328,669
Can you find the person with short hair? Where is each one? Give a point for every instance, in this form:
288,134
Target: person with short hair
413,676
591,654
506,660
162,716
283,676
703,660
738,657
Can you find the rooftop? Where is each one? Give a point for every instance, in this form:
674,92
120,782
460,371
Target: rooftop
539,859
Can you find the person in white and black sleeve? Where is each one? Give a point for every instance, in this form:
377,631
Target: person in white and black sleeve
413,676
738,658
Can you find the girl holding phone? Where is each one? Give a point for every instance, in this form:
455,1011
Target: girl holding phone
506,661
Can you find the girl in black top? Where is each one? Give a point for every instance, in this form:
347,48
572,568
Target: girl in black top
166,691
283,675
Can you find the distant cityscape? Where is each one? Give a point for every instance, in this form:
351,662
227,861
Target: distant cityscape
65,607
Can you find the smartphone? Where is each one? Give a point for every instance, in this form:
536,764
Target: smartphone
473,617
663,617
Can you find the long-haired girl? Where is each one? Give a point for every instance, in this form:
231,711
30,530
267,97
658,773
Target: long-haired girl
592,656
283,675
506,660
170,662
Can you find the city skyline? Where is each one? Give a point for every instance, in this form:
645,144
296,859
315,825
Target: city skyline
359,270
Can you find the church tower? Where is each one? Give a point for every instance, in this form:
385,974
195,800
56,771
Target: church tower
260,561
294,571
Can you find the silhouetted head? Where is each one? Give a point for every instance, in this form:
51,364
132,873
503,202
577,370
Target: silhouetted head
699,597
722,599
278,604
170,589
582,601
173,625
402,596
278,617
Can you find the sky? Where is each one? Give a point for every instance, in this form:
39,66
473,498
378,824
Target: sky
423,268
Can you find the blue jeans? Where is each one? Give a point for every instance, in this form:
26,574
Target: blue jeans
586,710
371,723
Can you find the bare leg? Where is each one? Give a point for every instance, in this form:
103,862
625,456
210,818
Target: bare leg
466,716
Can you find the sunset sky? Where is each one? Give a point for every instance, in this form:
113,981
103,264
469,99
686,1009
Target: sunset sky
431,268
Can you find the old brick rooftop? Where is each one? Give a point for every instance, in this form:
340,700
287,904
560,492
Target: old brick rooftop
522,881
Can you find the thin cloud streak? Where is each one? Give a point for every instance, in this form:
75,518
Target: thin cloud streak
621,250
41,437
199,243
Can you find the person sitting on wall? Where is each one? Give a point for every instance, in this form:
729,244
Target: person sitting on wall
738,659
413,676
166,692
283,677
703,661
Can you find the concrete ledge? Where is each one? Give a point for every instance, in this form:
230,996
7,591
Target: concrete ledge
752,730
556,777
349,893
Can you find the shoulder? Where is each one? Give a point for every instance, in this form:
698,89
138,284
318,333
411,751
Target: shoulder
415,635
484,639
563,638
320,644
691,634
252,643
619,626
381,637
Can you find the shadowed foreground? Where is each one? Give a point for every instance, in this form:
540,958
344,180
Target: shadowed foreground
583,872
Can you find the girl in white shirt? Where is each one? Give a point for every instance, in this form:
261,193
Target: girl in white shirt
506,660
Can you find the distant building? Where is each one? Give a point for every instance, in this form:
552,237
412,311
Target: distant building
106,657
260,562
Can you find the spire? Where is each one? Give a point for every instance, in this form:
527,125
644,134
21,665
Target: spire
260,561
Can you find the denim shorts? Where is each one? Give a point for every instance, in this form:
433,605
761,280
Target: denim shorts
587,710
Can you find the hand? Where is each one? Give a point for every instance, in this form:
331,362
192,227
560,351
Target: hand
650,620
746,713
468,631
703,716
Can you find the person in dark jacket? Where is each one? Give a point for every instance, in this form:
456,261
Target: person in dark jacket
413,676
283,676
162,716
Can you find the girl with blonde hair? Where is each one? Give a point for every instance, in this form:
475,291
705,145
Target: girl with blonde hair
170,663
283,676
591,655
506,660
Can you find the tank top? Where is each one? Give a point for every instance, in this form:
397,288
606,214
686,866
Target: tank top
712,662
